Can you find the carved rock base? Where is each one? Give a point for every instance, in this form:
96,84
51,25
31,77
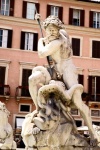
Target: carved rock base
69,148
59,138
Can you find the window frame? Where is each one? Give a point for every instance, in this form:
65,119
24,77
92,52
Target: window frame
29,13
8,39
77,18
79,119
81,43
4,10
94,120
76,49
76,113
14,118
98,116
82,16
97,23
24,10
22,41
30,109
25,65
29,38
91,43
4,37
11,8
60,13
91,18
5,63
55,10
92,73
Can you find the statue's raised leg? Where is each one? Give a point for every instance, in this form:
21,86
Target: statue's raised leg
84,111
40,76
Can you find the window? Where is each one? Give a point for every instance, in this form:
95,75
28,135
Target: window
94,19
30,9
74,111
81,79
95,113
24,108
25,74
7,7
2,79
29,37
5,38
76,46
96,49
29,41
78,123
76,17
55,10
96,123
18,122
94,87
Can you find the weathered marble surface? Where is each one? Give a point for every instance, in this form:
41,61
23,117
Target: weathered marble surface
54,91
6,131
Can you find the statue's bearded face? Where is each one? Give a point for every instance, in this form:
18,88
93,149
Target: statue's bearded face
52,30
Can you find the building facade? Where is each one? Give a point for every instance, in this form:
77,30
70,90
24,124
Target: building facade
19,34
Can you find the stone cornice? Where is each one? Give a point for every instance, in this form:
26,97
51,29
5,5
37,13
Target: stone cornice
83,30
5,61
7,20
18,21
73,2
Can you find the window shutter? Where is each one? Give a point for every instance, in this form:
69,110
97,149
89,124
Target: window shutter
37,7
60,13
48,10
70,15
81,79
22,40
90,84
24,9
35,42
98,85
12,7
0,6
2,75
9,42
95,49
26,73
91,19
82,12
2,79
76,46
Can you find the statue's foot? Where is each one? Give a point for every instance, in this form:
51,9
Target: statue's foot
36,130
93,142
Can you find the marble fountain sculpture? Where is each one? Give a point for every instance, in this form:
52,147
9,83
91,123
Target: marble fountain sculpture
55,90
6,131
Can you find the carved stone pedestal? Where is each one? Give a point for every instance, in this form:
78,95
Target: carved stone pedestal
61,137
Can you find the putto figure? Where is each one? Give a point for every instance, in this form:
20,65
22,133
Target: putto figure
56,45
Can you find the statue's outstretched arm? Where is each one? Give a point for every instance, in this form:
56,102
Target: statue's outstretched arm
49,49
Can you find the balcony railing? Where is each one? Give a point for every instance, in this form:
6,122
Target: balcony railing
5,91
22,91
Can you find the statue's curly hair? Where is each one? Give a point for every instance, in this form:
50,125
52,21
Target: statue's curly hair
53,20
